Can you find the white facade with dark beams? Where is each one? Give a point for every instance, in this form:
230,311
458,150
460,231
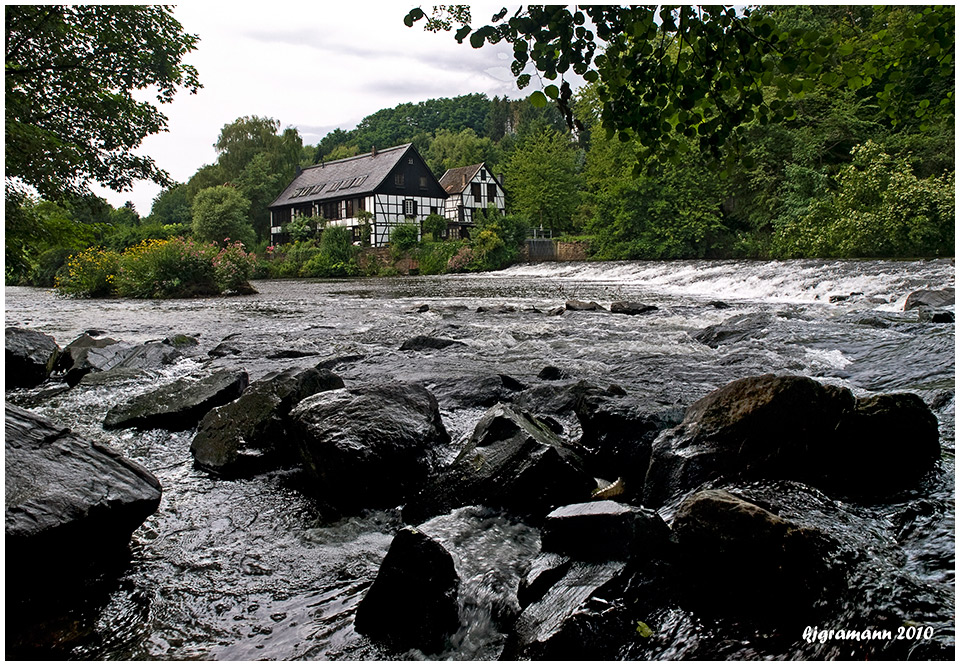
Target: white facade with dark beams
470,189
395,185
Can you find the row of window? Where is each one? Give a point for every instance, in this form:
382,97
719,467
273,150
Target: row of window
400,182
336,185
476,189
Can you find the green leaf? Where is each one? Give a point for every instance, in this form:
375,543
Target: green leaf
538,99
523,81
462,33
552,91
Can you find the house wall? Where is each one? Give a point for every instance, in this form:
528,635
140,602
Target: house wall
388,212
469,202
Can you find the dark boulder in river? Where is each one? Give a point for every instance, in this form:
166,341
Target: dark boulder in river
631,308
618,432
932,298
511,461
248,434
179,405
423,342
29,357
89,354
788,427
369,446
734,329
738,559
67,499
604,530
584,306
413,601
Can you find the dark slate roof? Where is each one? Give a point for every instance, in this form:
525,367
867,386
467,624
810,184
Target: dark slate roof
353,176
454,180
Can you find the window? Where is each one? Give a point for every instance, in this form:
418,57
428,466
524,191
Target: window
491,191
423,182
476,189
409,160
409,208
433,210
398,179
349,208
483,174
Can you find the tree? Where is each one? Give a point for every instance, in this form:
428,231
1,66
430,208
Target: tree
435,225
171,206
245,138
668,75
543,181
71,77
220,214
450,150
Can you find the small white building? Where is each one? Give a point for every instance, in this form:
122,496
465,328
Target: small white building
469,189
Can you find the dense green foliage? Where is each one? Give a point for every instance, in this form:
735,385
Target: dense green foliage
176,268
220,216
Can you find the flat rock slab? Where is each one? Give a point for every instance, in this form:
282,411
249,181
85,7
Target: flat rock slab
631,308
29,357
932,298
65,494
422,342
179,405
605,530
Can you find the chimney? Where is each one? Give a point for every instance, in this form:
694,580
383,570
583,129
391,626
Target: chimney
373,152
500,178
463,179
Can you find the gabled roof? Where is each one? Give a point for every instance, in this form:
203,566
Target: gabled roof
455,180
353,176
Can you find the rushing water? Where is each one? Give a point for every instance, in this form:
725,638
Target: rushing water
252,569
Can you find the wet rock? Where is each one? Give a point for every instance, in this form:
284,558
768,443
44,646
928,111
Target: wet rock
497,309
555,398
618,433
87,354
552,373
584,306
251,433
873,322
510,461
422,342
540,574
474,390
369,446
886,443
735,329
336,361
932,316
557,311
840,298
758,427
413,601
226,348
67,499
931,298
738,559
631,308
719,305
605,530
561,625
181,341
29,357
785,427
149,356
179,405
301,350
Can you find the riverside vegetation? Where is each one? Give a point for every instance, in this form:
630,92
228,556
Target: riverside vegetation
833,171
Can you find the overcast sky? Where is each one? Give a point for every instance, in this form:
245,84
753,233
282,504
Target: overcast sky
311,65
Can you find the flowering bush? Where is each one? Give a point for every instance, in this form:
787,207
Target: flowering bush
460,260
89,274
167,269
233,267
174,268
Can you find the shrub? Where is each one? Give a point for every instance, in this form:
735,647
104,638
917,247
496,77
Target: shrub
220,214
233,267
435,225
404,238
89,274
336,256
174,268
49,265
435,257
459,262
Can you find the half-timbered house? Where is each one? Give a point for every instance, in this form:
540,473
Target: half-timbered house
469,189
395,185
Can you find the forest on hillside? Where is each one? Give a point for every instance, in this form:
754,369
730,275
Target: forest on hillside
834,177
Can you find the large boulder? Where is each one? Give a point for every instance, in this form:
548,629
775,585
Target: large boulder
67,499
570,621
605,530
472,391
631,308
413,601
425,342
618,432
788,427
245,436
931,298
89,354
583,306
738,559
369,446
511,461
30,357
179,405
758,427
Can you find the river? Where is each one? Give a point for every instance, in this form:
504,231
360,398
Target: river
252,569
